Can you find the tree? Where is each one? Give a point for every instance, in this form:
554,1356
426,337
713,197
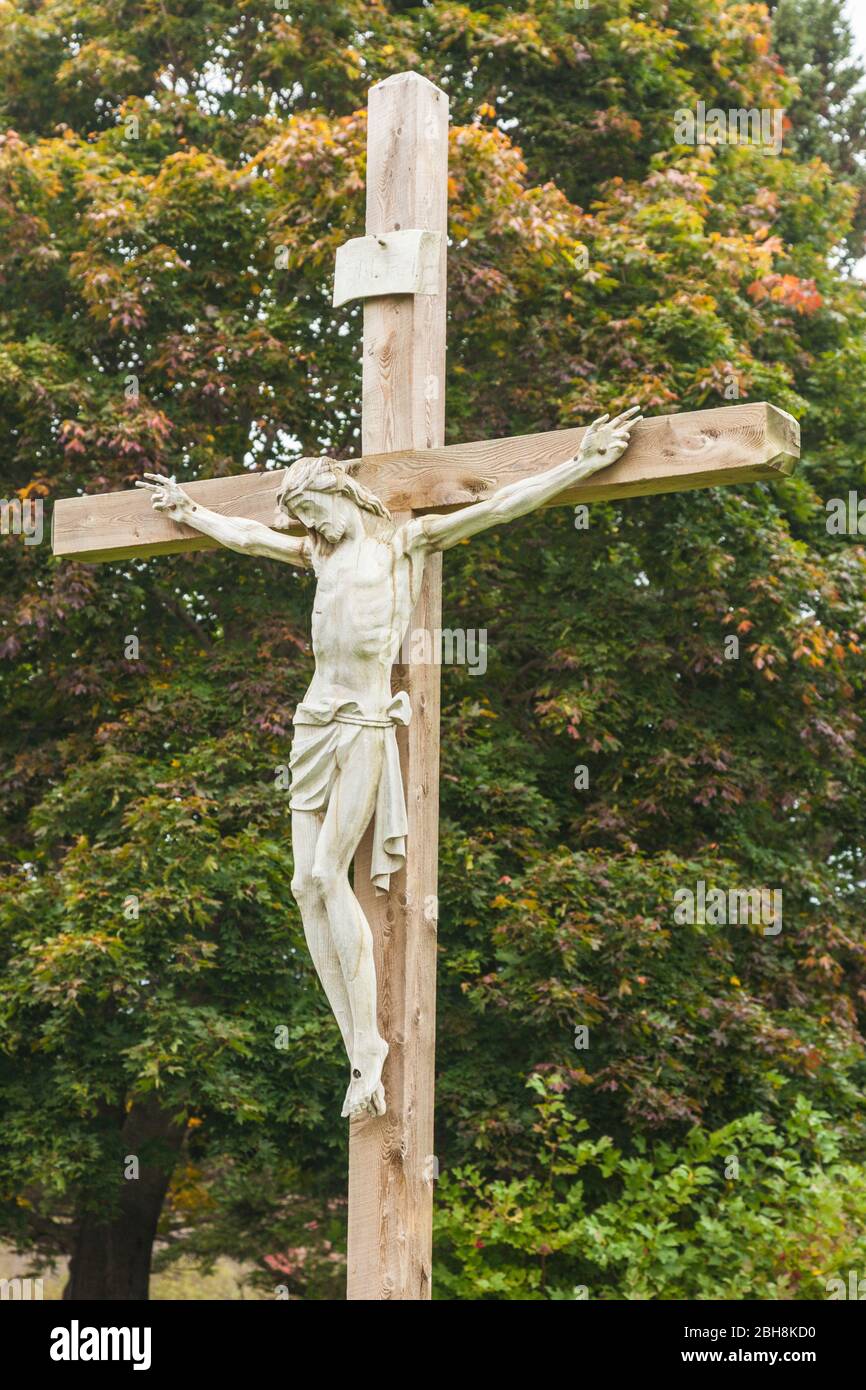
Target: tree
169,221
828,115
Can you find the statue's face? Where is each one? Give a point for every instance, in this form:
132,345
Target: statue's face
328,513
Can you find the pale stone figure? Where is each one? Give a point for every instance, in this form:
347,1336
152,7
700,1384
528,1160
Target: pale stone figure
344,761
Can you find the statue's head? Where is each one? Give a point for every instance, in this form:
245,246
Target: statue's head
323,496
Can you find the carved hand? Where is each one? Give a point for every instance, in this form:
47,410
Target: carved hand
167,496
607,440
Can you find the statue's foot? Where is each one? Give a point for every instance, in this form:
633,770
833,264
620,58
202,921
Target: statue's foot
366,1094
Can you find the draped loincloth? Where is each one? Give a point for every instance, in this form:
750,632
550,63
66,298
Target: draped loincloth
325,728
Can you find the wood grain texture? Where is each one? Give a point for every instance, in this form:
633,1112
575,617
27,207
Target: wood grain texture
123,525
669,453
390,1179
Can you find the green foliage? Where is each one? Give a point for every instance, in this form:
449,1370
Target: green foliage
173,186
828,115
750,1211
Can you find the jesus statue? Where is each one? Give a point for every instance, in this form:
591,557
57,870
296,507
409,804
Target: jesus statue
344,761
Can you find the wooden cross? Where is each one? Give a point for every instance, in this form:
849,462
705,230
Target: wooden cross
399,271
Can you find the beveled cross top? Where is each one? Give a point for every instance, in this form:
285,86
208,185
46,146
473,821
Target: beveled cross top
398,269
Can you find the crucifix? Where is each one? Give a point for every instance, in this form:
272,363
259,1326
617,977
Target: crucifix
365,755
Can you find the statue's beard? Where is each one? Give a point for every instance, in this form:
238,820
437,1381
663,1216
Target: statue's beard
328,534
286,521
321,542
332,536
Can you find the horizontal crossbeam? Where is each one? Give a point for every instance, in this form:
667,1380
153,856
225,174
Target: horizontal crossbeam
668,453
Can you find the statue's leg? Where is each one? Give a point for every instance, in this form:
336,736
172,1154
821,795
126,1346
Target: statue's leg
350,808
306,826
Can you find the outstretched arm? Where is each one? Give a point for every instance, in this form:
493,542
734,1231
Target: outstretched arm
604,442
234,532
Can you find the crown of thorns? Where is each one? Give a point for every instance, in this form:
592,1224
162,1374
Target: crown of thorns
325,474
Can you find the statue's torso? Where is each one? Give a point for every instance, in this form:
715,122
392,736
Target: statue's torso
365,593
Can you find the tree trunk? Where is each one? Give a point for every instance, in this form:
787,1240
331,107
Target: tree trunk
111,1259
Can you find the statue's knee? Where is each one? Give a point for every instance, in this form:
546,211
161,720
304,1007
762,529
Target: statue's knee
324,879
304,890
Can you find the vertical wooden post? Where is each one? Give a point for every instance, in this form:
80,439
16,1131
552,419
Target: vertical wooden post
391,1159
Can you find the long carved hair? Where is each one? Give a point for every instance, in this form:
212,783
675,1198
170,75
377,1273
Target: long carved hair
323,474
